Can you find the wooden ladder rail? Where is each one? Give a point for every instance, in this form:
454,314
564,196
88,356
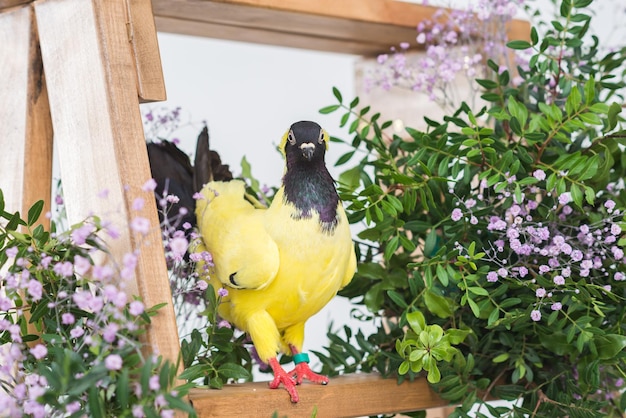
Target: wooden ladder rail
74,73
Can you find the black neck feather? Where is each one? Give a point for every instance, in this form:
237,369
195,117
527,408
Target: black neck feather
311,189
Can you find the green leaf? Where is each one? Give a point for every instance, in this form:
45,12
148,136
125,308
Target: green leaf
34,212
391,247
590,90
474,307
329,109
438,305
397,298
501,358
337,94
234,371
609,345
614,110
519,45
416,321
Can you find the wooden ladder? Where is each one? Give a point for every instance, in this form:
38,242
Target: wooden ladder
73,73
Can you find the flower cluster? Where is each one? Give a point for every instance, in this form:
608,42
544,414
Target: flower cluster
540,240
70,333
455,44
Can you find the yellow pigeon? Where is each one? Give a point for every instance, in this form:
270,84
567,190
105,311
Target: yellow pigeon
284,263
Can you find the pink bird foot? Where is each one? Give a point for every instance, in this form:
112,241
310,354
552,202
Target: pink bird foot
281,376
303,371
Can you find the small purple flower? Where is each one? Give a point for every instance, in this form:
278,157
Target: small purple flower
535,315
541,292
149,185
140,224
619,276
81,265
556,306
35,289
138,203
223,324
609,204
565,198
492,276
77,332
179,247
136,308
113,362
39,351
539,174
67,318
559,280
456,215
64,268
138,411
80,235
222,292
110,332
154,383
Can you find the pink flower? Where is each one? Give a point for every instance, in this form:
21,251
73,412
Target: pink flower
77,332
39,351
138,411
11,252
135,308
179,247
539,174
565,198
154,383
80,235
110,332
140,224
67,318
138,203
556,306
535,315
35,289
222,292
113,362
64,268
81,265
149,185
456,215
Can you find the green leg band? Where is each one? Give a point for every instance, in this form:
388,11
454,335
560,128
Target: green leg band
300,358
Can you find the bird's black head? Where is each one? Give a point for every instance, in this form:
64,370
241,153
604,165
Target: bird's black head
305,141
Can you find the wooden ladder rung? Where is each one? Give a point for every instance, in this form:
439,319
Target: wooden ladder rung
345,396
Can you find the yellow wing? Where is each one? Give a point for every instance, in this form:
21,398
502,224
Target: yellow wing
233,231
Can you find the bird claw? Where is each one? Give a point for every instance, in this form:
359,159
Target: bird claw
303,371
287,379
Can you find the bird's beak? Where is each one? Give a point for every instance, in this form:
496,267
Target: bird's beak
308,149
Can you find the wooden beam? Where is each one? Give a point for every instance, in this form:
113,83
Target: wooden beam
145,47
98,132
5,4
26,160
345,396
362,27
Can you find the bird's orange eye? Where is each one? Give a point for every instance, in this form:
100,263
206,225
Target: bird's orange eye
292,138
321,139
